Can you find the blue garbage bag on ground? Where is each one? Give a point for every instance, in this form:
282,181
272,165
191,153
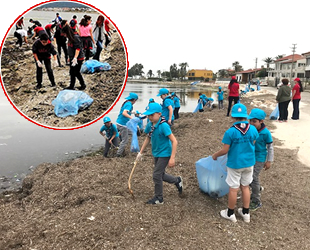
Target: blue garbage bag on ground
275,113
91,66
69,102
132,125
212,175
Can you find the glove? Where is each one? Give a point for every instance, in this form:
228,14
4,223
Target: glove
74,62
39,64
139,157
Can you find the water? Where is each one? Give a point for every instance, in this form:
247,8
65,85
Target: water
46,17
24,144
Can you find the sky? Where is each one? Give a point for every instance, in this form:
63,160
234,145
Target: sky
211,35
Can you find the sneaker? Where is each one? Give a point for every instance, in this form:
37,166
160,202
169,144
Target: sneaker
155,201
261,188
232,218
245,217
254,206
179,184
82,87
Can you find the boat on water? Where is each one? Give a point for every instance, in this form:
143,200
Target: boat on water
194,83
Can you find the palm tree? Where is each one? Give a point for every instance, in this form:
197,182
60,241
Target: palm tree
183,70
150,73
268,60
159,73
223,73
278,57
237,66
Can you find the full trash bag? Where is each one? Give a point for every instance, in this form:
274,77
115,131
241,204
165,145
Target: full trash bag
212,175
91,66
274,114
132,125
69,102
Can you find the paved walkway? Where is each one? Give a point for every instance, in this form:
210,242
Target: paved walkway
295,134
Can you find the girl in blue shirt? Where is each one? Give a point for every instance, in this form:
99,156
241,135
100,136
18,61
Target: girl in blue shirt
177,105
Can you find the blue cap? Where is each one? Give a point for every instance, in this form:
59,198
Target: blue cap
239,110
172,94
163,92
132,96
257,114
137,112
220,87
106,119
151,100
153,107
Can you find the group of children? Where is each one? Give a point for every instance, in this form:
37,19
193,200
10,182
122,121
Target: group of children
208,102
248,145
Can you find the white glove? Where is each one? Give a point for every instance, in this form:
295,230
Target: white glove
133,112
39,64
74,62
55,63
139,157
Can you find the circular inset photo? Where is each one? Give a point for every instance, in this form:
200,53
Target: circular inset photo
63,64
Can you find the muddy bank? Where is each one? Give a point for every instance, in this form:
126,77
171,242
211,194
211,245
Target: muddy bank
85,204
19,77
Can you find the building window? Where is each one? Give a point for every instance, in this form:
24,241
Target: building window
301,64
300,75
284,66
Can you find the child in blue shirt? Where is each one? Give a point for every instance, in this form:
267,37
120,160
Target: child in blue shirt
263,154
123,117
220,98
111,135
167,105
177,105
164,147
239,146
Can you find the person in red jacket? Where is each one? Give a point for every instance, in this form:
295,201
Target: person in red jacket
296,98
233,93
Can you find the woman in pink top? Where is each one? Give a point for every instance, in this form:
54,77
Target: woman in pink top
296,98
233,93
86,34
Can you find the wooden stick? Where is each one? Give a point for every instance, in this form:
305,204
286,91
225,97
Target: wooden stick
130,176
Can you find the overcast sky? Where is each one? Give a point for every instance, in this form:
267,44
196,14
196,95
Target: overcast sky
212,36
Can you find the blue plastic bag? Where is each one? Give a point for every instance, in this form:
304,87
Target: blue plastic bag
132,125
212,175
92,66
275,113
69,102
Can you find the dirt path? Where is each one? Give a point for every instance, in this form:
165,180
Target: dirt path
85,204
19,71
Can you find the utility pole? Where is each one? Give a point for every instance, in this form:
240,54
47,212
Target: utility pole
293,49
256,63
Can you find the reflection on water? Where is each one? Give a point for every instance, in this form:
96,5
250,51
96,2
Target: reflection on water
24,144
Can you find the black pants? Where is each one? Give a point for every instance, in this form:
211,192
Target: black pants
62,45
176,113
296,109
75,73
230,99
48,67
98,51
220,104
107,146
19,38
283,113
107,41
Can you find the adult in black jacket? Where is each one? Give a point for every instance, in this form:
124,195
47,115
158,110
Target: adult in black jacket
76,57
42,50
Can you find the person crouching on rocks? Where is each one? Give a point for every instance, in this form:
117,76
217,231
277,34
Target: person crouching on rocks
76,57
42,50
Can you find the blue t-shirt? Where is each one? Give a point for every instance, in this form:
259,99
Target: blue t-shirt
165,111
210,99
110,130
176,101
220,95
260,144
122,120
240,137
161,144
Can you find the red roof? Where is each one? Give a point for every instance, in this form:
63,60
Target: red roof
248,71
289,58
